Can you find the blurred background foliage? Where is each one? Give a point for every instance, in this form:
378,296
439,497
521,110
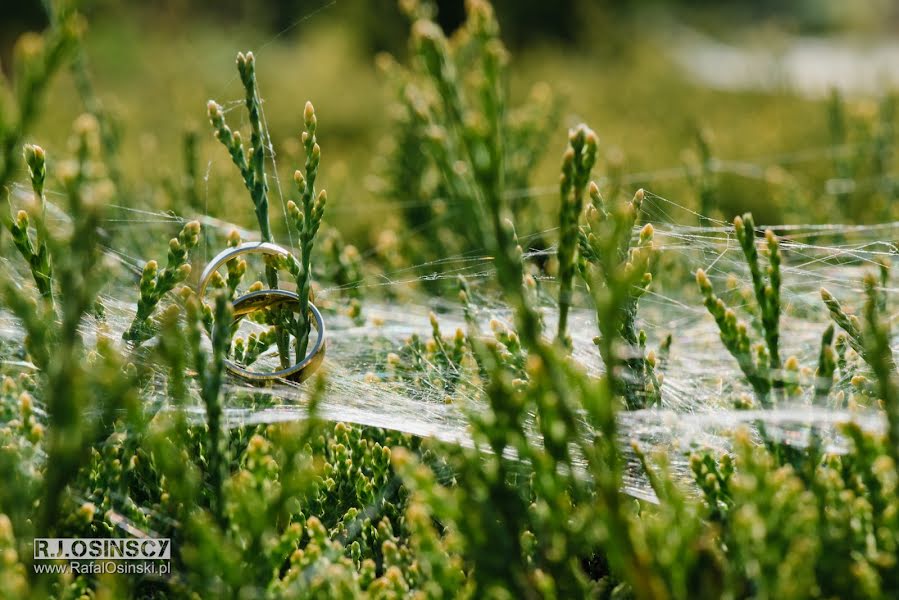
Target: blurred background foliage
155,64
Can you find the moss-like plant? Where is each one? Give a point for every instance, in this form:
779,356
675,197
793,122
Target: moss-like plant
880,358
72,389
155,284
616,267
305,223
250,162
35,254
760,363
452,100
577,163
37,59
851,324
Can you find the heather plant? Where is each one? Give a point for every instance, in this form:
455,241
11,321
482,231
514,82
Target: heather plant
612,262
453,100
444,362
305,223
540,494
35,254
700,169
520,541
597,250
304,219
237,267
863,136
760,363
37,58
344,265
508,540
251,165
250,162
155,284
577,164
84,390
851,324
781,492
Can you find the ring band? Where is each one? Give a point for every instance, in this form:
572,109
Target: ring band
231,253
254,301
299,372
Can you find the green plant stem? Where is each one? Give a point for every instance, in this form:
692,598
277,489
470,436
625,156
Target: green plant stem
577,163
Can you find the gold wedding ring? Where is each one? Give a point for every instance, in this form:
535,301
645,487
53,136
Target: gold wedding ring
262,299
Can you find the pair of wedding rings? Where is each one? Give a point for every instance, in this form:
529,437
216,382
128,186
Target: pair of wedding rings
268,299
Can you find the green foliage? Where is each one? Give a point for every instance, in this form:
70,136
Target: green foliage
155,284
345,267
827,365
760,363
86,392
702,177
303,221
617,272
251,162
863,142
533,506
37,58
851,324
577,163
35,254
825,530
305,224
880,358
453,104
444,363
210,371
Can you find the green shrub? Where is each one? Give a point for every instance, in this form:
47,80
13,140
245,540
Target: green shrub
100,438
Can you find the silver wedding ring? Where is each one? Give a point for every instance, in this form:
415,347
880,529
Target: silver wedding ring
260,300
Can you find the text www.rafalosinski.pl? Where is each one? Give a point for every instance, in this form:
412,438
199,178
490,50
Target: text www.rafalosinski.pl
103,555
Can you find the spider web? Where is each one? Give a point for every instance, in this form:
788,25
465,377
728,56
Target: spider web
701,380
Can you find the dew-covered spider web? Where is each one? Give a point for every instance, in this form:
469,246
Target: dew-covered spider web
701,381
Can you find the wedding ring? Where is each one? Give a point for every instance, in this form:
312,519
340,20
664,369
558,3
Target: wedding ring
255,301
231,253
261,299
